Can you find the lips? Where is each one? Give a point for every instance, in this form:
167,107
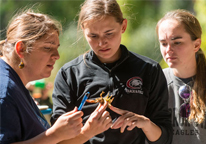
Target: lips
51,66
104,50
171,58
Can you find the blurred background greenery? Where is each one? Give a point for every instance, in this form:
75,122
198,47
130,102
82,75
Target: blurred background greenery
140,36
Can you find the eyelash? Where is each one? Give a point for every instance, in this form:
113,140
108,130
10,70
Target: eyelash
47,48
95,36
163,44
175,43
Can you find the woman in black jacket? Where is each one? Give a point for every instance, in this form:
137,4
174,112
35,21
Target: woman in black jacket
137,83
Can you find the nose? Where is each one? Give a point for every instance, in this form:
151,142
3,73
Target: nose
56,55
169,48
102,41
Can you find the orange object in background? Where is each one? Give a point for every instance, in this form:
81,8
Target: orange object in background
36,95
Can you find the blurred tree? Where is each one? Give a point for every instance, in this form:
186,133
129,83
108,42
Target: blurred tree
142,16
140,36
64,10
200,9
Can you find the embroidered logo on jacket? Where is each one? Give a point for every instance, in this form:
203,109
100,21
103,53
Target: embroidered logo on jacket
134,85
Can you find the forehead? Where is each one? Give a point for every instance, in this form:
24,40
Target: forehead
100,24
170,27
51,37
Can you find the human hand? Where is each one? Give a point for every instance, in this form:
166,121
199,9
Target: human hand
99,121
129,119
68,125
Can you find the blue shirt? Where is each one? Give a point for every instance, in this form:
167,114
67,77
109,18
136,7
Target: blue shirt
20,118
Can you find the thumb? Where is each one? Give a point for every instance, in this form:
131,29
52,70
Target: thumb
71,112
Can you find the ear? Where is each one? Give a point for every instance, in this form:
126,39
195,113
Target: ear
124,25
197,43
20,48
82,27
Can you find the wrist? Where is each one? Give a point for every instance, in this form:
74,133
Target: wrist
52,135
85,132
147,126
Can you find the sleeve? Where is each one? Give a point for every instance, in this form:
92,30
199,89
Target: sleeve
61,97
10,124
157,109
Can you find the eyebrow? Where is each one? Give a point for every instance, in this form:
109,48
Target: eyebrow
178,37
52,43
108,30
104,32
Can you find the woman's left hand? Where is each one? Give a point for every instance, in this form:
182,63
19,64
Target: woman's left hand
129,119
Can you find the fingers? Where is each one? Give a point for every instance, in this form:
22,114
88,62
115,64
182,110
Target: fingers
98,107
105,118
73,115
127,122
133,125
98,121
117,110
68,125
103,107
118,123
99,110
76,115
123,121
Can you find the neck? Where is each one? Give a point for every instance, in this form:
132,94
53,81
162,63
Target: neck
114,58
16,69
184,72
186,69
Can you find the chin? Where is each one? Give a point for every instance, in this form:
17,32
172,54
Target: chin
171,65
46,75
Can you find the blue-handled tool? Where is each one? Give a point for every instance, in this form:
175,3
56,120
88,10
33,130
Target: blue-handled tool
83,101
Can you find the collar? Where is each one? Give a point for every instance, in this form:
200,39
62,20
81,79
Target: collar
178,81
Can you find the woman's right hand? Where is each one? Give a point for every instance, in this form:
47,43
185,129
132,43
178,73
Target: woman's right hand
98,122
68,125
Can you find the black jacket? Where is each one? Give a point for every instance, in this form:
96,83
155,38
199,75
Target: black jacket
137,83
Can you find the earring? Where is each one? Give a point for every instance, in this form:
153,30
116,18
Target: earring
21,65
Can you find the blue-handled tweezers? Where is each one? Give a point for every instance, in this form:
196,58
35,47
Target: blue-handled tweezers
83,101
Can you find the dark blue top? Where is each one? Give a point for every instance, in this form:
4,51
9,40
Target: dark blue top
20,118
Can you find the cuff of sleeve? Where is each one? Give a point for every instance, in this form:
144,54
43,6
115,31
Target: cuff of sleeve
164,138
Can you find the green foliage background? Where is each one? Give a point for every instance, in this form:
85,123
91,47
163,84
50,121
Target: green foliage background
140,36
200,8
